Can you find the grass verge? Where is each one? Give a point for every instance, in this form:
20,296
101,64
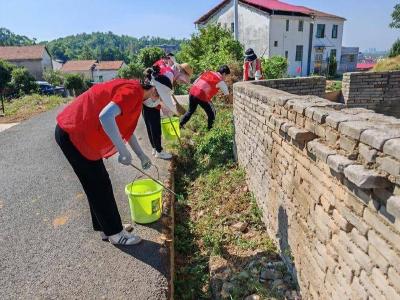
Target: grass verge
217,218
25,107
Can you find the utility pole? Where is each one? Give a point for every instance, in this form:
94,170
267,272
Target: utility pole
236,22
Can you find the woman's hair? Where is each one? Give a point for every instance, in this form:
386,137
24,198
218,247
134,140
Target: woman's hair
224,70
154,72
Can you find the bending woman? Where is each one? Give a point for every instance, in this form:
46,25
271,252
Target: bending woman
96,125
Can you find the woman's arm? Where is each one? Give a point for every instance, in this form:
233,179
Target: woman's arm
107,119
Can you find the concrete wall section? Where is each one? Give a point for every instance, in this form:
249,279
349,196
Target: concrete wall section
328,181
34,67
379,91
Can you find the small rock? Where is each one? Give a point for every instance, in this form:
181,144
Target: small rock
240,226
128,227
252,297
246,189
270,274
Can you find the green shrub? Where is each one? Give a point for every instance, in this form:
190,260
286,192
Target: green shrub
54,77
332,67
5,74
395,50
212,47
274,67
75,83
133,70
148,56
22,82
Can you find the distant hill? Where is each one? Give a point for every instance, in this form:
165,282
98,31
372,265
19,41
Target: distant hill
96,45
103,46
8,38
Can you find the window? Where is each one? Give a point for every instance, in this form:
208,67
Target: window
276,44
352,58
301,25
233,27
299,53
287,25
320,31
333,53
335,31
101,78
287,54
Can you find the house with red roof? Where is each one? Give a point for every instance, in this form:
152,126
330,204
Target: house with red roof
308,38
35,58
94,70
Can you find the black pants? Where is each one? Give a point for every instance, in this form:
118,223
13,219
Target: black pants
96,184
208,107
152,118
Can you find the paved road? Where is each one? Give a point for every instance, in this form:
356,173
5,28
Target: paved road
47,247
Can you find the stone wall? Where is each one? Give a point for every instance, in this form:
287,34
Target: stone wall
300,86
379,91
327,179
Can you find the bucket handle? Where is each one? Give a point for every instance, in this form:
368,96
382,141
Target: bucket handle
142,175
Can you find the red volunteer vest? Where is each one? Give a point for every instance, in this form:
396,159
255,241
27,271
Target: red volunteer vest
80,119
205,87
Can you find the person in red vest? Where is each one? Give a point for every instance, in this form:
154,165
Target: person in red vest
96,125
166,61
177,74
202,92
252,66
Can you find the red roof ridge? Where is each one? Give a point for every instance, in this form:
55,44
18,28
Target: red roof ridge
31,52
272,5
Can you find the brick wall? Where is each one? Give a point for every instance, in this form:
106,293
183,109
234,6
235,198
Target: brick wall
327,179
299,86
379,91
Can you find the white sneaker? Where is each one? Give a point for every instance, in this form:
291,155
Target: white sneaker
154,151
163,155
124,238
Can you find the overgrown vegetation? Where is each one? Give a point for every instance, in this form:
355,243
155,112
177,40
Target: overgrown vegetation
22,108
214,198
388,64
274,67
212,47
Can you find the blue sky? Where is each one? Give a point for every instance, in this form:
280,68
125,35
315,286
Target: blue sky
366,26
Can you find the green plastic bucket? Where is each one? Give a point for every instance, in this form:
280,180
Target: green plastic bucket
168,128
145,200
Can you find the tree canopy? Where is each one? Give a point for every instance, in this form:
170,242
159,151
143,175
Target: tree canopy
7,38
103,46
396,17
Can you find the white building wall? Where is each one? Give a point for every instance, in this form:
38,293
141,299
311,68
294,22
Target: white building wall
104,75
288,40
328,42
253,26
47,62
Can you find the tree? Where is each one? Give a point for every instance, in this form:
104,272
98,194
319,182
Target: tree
22,82
132,70
148,56
7,38
395,50
274,67
55,78
212,47
396,17
75,83
332,66
5,74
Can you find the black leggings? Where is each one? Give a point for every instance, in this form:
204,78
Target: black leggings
96,184
152,118
208,107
